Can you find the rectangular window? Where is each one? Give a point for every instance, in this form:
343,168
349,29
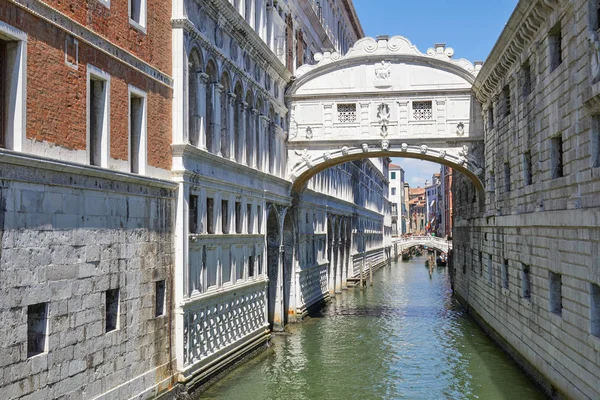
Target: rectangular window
556,154
491,116
525,282
259,264
137,13
238,217
393,175
225,216
422,110
555,297
480,263
490,269
492,182
159,299
193,214
596,141
13,75
506,96
527,173
249,217
555,47
111,311
137,131
393,191
99,116
506,177
210,215
259,220
37,327
526,79
594,309
505,274
346,113
251,266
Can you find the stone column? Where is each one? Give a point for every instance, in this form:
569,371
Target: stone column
255,139
231,97
264,153
216,118
242,137
203,81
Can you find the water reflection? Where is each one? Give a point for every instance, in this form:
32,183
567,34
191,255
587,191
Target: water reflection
402,338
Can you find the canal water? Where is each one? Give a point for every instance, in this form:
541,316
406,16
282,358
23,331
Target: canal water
403,338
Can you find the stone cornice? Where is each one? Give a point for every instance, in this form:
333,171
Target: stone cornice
349,6
74,169
194,32
520,30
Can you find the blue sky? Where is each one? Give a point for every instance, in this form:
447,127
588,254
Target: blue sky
470,27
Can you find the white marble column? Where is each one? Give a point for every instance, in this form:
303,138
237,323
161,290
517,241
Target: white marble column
242,136
203,82
216,118
231,104
252,139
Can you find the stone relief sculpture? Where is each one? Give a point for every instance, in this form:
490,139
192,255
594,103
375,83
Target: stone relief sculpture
385,145
383,114
383,70
365,147
309,132
423,149
460,129
305,158
404,147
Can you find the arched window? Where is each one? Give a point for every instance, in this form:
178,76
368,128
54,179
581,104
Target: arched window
237,123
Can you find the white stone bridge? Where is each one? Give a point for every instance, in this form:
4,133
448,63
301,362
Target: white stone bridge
433,242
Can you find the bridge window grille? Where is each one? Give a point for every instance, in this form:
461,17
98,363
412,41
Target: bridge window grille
596,141
346,113
37,326
525,281
505,274
555,298
422,110
556,152
527,173
594,309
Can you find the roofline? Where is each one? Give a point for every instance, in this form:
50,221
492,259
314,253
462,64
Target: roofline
354,20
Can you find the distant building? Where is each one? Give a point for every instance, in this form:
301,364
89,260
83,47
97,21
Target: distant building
396,197
431,203
445,196
417,210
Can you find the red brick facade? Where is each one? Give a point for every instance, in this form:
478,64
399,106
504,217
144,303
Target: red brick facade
57,92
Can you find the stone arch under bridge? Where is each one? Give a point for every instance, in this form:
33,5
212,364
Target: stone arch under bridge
384,98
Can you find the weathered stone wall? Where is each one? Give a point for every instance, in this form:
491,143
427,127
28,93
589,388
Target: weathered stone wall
537,222
68,234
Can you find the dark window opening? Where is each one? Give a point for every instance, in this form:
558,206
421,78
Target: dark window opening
159,307
505,274
506,95
555,297
506,177
238,217
526,74
37,322
193,214
112,309
249,217
225,216
526,282
555,46
527,173
210,215
556,148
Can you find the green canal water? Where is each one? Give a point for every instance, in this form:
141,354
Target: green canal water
403,338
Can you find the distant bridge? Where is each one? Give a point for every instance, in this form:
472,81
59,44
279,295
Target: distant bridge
426,241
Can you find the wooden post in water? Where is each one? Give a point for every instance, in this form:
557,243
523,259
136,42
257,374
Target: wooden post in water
370,274
362,267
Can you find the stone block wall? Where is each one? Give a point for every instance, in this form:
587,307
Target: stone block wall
526,250
68,235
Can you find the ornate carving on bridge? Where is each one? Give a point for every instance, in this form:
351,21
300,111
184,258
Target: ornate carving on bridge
383,115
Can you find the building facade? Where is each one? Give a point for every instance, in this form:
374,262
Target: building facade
529,267
396,196
445,202
86,200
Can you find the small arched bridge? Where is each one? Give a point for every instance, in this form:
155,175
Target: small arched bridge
426,241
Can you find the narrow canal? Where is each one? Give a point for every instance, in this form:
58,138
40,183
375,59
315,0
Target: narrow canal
403,338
